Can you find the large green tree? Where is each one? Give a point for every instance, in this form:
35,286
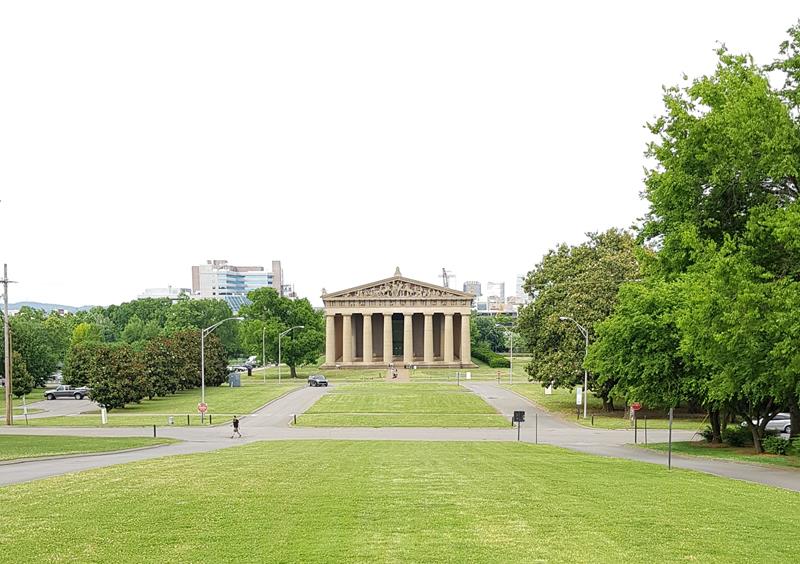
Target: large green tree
199,314
273,314
580,282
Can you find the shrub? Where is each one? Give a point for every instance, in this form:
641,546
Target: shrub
484,353
775,445
707,434
736,436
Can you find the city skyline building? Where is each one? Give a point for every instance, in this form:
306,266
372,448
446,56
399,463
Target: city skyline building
497,290
473,287
218,279
171,292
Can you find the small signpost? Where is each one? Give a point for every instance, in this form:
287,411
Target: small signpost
103,416
25,409
578,400
519,417
635,406
202,408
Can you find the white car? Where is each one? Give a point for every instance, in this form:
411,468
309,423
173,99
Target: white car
781,423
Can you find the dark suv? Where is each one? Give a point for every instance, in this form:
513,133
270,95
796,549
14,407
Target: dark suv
317,380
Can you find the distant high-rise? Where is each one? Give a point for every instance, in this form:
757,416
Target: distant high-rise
497,290
473,287
218,279
522,297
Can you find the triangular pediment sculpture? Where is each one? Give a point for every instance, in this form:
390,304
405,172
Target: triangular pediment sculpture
398,287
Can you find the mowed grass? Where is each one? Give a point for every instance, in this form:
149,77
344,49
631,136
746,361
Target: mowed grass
223,403
397,404
367,501
562,401
13,447
120,419
725,452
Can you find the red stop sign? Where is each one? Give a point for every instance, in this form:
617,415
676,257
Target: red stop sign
202,407
636,406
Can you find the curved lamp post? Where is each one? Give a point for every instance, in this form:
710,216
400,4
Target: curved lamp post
585,334
203,334
289,330
511,364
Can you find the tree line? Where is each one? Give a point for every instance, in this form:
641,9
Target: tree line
151,347
698,304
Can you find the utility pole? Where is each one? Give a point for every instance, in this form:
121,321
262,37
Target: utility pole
7,347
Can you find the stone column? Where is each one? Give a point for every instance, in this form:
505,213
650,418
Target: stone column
347,339
330,340
448,338
428,337
367,336
387,338
466,346
408,339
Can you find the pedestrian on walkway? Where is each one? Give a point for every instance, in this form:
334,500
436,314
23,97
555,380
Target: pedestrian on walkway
236,427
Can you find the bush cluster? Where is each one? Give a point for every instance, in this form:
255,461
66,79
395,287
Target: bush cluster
487,355
118,374
776,445
736,436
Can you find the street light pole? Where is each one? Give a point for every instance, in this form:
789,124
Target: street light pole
264,352
279,347
510,364
203,334
585,334
7,348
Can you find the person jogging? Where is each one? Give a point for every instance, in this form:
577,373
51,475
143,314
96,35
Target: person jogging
236,427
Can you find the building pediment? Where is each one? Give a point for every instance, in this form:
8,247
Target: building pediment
397,287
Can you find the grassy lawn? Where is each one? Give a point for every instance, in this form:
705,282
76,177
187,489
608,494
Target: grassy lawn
13,447
366,501
562,401
223,403
483,372
35,395
736,454
222,399
387,404
122,419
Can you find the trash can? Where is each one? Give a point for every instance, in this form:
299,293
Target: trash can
234,380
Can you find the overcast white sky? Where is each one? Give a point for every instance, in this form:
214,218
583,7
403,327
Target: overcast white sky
343,138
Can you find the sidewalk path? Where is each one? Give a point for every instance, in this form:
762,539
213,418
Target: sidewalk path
272,423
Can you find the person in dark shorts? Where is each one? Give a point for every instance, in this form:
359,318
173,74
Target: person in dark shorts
236,427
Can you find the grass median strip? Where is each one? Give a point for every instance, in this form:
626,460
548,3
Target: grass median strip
562,401
387,404
15,447
393,501
725,452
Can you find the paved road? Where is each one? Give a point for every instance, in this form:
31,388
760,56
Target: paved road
56,408
272,423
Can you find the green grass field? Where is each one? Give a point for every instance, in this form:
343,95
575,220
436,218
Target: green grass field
34,396
14,447
562,401
121,419
397,404
365,501
735,454
223,403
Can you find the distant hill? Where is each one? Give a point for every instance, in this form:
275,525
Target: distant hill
47,307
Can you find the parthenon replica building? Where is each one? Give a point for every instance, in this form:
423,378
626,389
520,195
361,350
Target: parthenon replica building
397,321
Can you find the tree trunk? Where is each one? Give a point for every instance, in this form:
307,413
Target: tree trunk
293,369
716,427
794,414
608,404
756,437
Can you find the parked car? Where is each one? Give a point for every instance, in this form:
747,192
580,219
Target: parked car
67,392
781,423
317,380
